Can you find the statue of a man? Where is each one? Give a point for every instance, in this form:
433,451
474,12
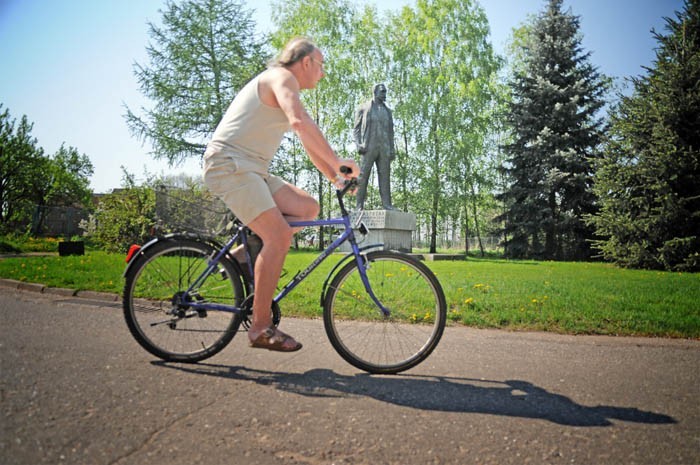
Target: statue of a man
374,138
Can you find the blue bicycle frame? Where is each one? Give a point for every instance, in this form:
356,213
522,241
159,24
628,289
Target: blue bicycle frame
347,235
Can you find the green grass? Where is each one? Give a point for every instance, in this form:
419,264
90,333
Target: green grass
575,298
578,298
95,271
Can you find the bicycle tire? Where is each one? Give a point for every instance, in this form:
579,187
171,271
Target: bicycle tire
363,336
177,333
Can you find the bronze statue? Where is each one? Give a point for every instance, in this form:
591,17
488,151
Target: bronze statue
374,138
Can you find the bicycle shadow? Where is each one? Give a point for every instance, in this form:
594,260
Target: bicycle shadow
513,398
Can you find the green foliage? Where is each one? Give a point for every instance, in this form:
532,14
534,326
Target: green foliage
203,53
446,77
21,165
69,178
440,72
29,178
330,24
557,94
65,181
648,179
124,217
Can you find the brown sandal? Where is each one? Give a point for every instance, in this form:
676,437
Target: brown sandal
274,339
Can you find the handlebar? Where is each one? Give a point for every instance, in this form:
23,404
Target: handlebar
348,185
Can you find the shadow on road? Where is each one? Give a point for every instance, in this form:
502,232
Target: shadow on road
511,398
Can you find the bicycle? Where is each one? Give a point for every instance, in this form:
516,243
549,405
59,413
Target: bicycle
185,298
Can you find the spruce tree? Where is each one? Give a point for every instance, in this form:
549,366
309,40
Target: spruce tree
557,95
200,56
649,179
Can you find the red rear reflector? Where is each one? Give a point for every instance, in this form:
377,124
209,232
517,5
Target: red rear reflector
132,250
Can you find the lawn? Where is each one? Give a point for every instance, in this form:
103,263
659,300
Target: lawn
574,298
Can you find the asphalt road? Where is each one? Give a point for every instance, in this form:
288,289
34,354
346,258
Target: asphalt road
75,388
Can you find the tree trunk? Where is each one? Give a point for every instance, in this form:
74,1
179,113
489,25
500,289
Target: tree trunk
550,241
476,221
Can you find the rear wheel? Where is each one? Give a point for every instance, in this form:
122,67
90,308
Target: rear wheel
157,306
363,335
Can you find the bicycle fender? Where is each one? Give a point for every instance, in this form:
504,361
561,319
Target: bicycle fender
168,237
339,264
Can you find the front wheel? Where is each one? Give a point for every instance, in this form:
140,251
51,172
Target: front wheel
363,335
157,305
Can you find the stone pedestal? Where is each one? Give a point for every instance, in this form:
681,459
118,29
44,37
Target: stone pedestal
392,228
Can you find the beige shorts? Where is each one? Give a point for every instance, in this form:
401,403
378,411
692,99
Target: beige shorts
244,186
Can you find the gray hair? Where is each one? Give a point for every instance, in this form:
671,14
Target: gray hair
296,49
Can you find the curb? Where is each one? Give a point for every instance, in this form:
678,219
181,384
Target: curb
97,295
43,289
11,283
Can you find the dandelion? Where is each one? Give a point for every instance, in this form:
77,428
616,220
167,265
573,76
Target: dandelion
469,301
482,287
389,275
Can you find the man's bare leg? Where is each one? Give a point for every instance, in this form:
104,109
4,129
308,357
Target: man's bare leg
276,234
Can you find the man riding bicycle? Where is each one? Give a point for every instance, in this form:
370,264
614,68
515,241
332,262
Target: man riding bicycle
236,169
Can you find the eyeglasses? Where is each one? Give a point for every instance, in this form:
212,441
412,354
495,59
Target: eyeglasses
320,63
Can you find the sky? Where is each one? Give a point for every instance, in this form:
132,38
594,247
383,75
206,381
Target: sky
68,65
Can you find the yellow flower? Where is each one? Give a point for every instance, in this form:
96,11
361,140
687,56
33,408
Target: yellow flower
482,287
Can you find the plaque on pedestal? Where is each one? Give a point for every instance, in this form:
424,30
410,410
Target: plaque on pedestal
392,228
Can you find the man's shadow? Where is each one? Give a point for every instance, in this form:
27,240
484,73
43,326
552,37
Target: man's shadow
511,398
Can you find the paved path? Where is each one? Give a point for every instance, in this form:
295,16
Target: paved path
75,388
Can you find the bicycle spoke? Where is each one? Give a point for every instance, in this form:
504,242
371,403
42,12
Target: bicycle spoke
158,310
363,335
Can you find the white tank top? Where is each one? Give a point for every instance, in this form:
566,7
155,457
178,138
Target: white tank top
250,129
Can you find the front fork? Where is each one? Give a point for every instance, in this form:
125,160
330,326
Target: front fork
364,265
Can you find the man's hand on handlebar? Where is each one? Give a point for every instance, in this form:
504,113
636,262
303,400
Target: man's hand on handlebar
347,177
